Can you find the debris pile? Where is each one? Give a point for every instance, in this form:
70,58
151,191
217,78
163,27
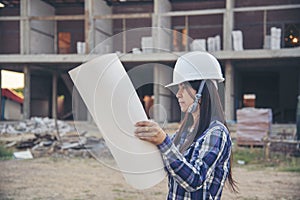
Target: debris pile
36,125
44,136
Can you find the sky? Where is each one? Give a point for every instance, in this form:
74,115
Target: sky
12,79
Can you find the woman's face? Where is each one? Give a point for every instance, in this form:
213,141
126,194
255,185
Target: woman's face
185,96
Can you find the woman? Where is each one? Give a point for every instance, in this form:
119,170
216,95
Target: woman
197,157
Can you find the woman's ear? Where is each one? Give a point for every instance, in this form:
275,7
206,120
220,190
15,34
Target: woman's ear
200,101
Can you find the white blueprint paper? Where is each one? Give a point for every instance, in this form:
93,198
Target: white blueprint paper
115,107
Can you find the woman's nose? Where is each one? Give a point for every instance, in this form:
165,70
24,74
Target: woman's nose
179,94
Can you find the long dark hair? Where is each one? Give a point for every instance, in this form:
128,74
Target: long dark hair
205,120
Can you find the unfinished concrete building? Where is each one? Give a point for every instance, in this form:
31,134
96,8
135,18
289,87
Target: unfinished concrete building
40,37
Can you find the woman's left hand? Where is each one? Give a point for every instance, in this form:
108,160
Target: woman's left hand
150,131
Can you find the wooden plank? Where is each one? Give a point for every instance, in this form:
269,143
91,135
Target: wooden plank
249,143
284,141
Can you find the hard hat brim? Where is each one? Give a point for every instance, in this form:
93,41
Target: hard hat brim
177,83
172,85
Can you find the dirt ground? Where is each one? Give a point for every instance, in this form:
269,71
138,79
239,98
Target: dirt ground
77,178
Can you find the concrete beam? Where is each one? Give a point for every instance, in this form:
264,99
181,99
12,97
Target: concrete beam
149,15
262,8
148,57
43,58
193,12
124,16
58,17
76,17
151,57
257,54
12,18
43,18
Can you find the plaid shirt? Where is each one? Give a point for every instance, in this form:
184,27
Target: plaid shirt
200,172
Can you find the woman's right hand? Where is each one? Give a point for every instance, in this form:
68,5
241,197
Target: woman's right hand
150,131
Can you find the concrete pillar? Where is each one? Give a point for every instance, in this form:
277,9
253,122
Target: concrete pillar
161,37
298,110
41,31
229,90
26,103
221,91
161,43
102,27
24,27
54,95
55,39
79,109
0,94
162,96
89,25
288,80
228,23
96,31
298,83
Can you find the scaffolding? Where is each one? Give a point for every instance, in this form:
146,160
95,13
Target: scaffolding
39,23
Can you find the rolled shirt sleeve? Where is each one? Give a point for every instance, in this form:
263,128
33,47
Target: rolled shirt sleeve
192,173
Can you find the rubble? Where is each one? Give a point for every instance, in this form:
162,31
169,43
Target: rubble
43,138
36,125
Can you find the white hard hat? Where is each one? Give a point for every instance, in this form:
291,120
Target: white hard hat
196,65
